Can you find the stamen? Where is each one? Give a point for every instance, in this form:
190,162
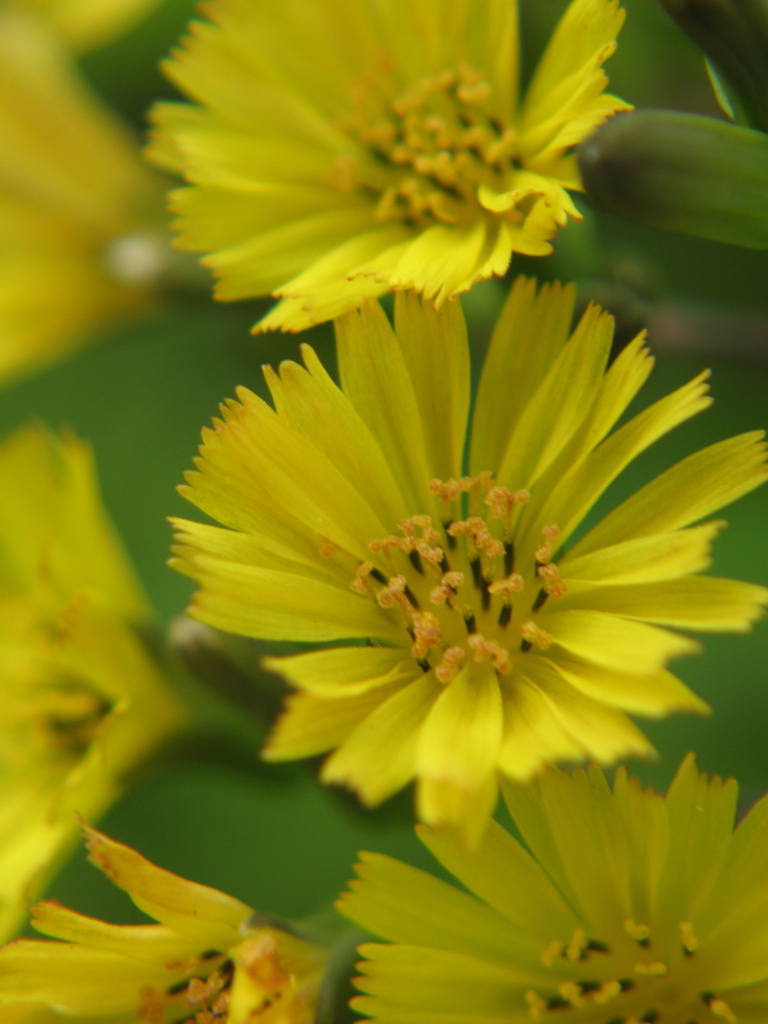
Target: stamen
360,583
327,548
483,649
570,991
544,553
607,992
639,932
446,592
719,1007
577,945
513,584
534,634
554,949
690,942
505,615
449,666
654,970
393,593
426,630
536,1004
553,584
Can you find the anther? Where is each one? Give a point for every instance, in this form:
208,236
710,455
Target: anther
505,615
690,942
541,597
509,557
416,561
469,622
327,548
378,575
533,634
477,573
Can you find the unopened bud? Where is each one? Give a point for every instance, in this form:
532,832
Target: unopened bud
681,172
734,36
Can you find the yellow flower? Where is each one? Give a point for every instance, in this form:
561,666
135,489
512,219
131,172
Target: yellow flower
83,702
495,643
86,24
623,906
210,959
341,149
79,246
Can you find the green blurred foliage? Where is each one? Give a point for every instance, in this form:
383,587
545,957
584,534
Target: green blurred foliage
271,835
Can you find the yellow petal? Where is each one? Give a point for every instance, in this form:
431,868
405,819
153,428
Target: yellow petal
192,909
616,643
153,943
379,757
345,671
507,878
284,606
458,751
376,380
658,557
312,725
528,337
402,904
690,490
689,602
436,353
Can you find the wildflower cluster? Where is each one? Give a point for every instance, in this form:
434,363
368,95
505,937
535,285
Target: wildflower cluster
465,605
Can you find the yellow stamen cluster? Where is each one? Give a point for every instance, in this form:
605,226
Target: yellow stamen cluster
201,999
432,145
472,621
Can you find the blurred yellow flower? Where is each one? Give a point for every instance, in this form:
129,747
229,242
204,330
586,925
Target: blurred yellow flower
623,906
209,960
83,702
492,647
81,241
87,24
341,149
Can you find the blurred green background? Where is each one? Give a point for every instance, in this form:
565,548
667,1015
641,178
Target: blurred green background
271,835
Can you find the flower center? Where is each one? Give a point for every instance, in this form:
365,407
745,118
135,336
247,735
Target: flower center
457,588
625,983
200,999
430,147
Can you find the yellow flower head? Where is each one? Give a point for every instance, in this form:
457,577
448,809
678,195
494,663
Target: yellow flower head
85,24
340,149
623,906
495,643
83,702
209,960
78,244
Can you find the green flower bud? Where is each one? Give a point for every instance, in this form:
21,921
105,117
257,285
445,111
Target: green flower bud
734,36
683,172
